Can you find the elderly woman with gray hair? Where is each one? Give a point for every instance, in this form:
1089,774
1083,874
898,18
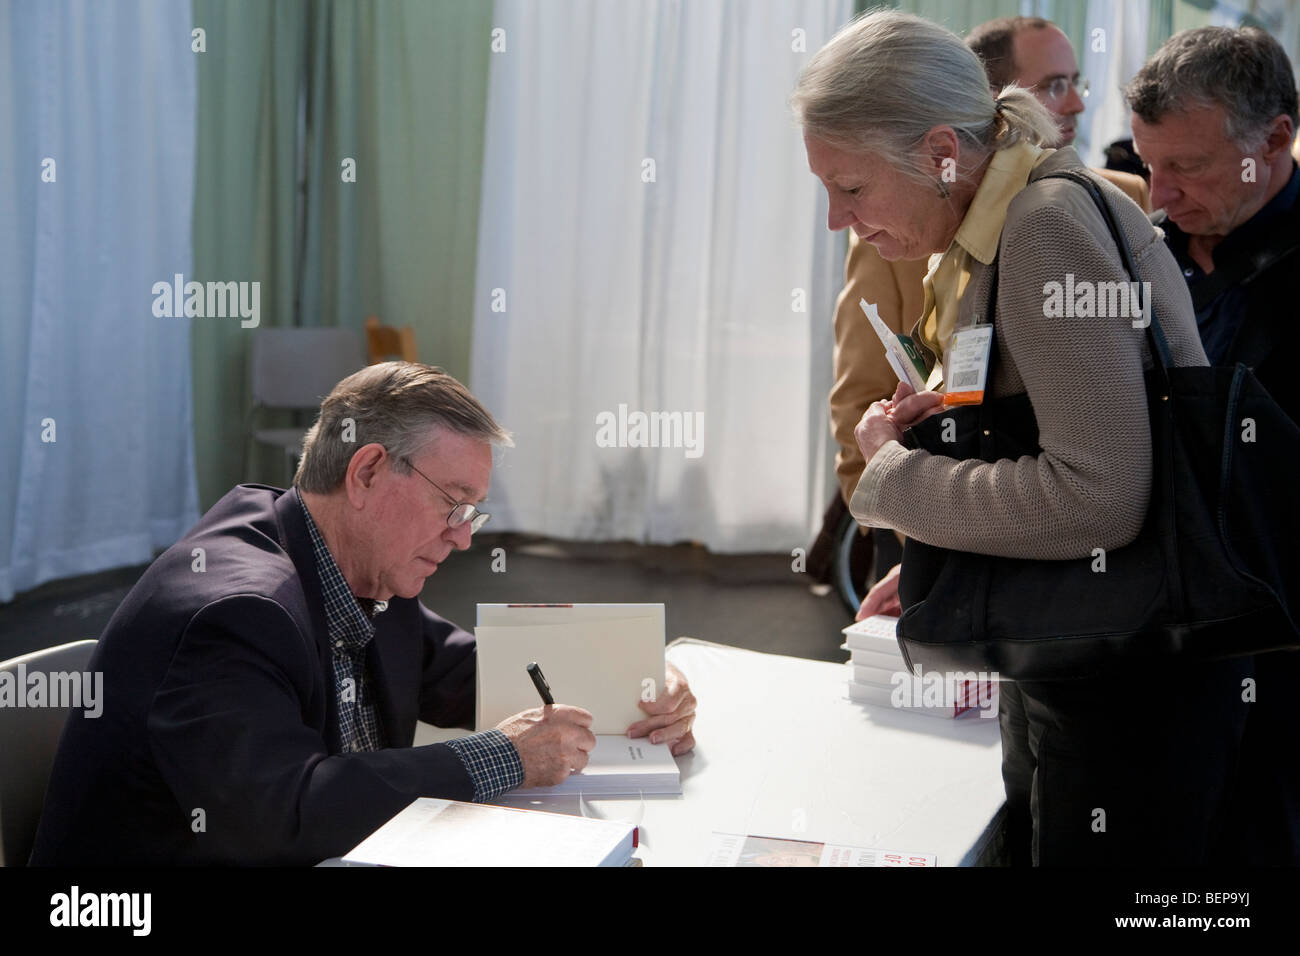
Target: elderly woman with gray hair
918,156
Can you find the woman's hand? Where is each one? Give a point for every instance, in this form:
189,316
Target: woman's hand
883,597
886,421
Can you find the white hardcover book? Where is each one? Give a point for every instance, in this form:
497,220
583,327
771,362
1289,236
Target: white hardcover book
880,676
432,832
914,696
604,658
621,766
885,697
878,633
892,662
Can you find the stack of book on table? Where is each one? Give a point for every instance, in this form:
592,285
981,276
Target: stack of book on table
880,675
433,832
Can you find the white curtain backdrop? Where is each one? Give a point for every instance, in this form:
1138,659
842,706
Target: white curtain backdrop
651,237
1109,69
108,92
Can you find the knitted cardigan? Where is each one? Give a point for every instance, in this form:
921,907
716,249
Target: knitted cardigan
1089,486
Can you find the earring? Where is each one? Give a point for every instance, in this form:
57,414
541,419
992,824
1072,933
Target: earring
944,191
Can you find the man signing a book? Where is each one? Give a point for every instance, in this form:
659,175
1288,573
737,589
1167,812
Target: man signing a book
263,679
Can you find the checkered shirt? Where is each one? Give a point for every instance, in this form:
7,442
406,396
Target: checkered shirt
490,759
349,632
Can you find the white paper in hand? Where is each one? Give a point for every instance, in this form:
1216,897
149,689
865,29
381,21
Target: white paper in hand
901,352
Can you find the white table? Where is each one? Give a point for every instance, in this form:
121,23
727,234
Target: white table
781,751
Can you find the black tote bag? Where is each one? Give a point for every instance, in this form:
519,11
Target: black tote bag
1212,574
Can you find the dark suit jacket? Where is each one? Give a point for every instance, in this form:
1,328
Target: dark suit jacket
218,741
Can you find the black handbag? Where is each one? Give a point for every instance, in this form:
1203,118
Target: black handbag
1212,574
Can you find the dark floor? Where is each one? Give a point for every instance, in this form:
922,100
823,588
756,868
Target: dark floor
753,601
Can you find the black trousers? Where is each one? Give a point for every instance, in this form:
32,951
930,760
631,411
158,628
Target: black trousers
1129,770
1264,804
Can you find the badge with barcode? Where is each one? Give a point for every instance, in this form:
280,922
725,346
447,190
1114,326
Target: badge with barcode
968,365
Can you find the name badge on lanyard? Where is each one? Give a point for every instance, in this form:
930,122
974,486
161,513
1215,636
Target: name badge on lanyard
967,358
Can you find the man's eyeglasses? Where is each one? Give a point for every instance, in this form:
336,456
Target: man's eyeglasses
462,512
1059,87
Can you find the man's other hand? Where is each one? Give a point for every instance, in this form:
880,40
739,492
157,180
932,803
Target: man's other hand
552,741
672,714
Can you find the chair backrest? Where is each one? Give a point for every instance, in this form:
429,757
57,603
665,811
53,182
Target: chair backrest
385,342
29,737
296,368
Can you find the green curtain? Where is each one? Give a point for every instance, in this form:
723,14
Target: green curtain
960,16
1160,24
1167,16
400,87
1187,15
245,189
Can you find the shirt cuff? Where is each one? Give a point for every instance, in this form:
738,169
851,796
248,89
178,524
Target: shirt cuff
491,761
865,503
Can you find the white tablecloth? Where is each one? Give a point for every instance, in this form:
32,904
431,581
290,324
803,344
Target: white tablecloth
781,751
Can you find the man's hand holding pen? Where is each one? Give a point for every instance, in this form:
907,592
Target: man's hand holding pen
555,740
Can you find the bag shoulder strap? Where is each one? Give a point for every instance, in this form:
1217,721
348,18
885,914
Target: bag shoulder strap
1160,351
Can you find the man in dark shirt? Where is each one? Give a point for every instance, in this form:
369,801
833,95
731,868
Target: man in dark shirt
1222,306
1214,119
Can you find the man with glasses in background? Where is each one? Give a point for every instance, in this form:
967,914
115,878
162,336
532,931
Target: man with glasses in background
263,678
1029,52
1033,53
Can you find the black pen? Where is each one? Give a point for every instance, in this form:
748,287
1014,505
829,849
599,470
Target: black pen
543,688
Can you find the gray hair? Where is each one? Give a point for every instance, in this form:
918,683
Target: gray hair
885,80
396,404
1245,71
